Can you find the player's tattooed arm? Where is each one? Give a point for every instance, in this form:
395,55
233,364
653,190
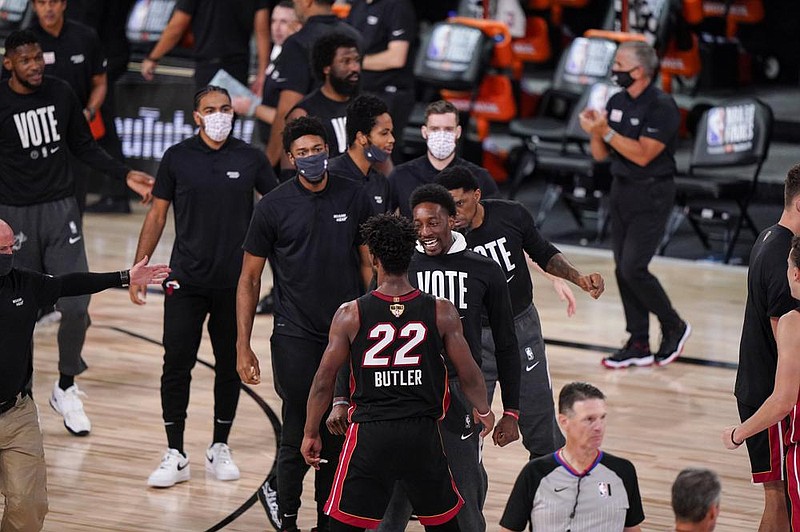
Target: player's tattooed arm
559,266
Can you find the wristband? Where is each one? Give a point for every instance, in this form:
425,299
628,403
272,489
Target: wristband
125,277
608,136
341,403
484,415
511,414
737,444
92,112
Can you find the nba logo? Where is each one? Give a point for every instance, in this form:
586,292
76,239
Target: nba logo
604,488
715,133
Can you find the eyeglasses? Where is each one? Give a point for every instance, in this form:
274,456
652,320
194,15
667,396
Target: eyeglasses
575,505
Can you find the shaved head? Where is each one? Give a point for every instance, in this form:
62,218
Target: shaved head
6,238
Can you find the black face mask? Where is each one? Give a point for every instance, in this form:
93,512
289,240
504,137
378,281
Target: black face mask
313,167
6,263
623,78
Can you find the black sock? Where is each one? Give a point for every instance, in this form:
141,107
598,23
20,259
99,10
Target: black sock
175,435
222,430
65,381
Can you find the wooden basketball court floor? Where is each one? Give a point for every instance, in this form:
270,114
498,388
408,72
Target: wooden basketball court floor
662,419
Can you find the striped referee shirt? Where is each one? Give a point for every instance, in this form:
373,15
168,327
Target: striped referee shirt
553,497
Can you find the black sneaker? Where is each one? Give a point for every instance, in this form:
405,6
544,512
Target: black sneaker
633,353
672,342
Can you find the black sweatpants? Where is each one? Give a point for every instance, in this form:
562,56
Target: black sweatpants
639,213
185,310
294,364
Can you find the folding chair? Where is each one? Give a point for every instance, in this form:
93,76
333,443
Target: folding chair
573,175
734,134
586,61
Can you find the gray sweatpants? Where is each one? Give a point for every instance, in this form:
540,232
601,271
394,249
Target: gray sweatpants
48,238
462,445
537,421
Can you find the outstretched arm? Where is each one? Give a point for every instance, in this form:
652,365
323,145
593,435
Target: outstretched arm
343,329
78,284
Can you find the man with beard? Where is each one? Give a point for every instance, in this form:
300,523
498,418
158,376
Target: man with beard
337,64
41,121
441,133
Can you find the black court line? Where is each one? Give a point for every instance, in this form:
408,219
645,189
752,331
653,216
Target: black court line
273,418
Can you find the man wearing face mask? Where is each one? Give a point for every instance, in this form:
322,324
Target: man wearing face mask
308,228
371,139
441,133
22,466
337,64
639,132
210,178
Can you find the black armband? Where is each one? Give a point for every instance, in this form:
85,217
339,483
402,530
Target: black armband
125,277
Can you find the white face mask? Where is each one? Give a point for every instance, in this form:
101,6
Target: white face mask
441,144
218,126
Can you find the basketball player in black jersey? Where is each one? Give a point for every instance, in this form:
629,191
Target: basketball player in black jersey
505,232
393,338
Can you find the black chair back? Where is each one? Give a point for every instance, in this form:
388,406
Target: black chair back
453,56
735,133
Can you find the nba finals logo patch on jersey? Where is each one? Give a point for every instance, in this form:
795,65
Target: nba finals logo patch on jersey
397,309
604,488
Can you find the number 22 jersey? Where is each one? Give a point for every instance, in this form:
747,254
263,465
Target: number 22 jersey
397,365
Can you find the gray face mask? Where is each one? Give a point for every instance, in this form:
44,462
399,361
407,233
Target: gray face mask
313,167
374,154
6,263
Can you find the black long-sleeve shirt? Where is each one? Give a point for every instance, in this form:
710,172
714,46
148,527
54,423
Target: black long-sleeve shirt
36,131
22,294
474,284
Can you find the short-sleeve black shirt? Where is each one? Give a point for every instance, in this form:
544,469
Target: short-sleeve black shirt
375,183
381,22
653,114
506,234
212,194
333,116
768,296
409,175
74,56
222,28
293,67
36,130
311,240
22,294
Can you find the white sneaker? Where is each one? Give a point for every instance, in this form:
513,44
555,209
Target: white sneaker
68,403
219,462
174,468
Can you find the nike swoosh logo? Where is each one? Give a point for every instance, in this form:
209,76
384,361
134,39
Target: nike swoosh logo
461,317
74,239
509,279
559,490
397,33
184,466
55,149
467,436
528,368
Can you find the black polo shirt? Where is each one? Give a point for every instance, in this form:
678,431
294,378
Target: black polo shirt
652,114
333,116
409,175
375,183
311,240
22,294
506,234
222,28
768,296
74,56
212,194
293,66
475,285
36,131
381,22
